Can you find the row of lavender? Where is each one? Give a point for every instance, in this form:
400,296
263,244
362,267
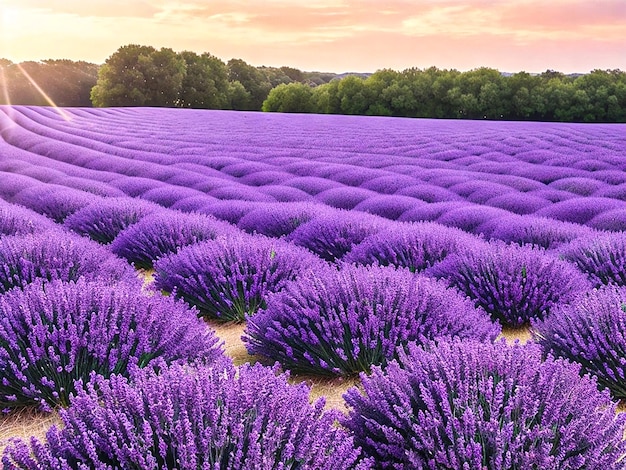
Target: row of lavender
77,310
478,176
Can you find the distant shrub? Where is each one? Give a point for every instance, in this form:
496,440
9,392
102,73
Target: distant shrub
415,246
538,231
231,211
311,184
164,232
470,218
277,220
389,184
592,333
228,279
332,235
345,197
332,322
13,184
285,193
601,256
613,220
102,221
55,255
388,206
580,210
53,201
514,284
578,185
189,418
169,195
465,404
55,333
518,203
18,220
429,193
431,212
241,192
135,186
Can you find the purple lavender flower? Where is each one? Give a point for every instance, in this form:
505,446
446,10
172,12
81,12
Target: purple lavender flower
17,220
164,232
465,404
332,322
53,201
332,235
344,197
52,334
512,283
591,332
538,231
601,256
416,246
277,220
60,255
389,206
581,210
189,418
229,279
102,221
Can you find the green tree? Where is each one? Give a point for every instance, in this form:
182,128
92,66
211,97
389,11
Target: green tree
206,82
253,80
140,76
290,98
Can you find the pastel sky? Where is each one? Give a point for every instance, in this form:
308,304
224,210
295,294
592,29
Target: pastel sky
329,35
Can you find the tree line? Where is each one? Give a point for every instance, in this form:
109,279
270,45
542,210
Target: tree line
484,93
62,82
137,75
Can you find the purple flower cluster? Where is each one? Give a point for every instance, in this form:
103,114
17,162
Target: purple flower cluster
54,201
465,404
341,322
416,246
189,418
52,334
332,235
592,332
57,255
538,231
102,221
228,279
514,284
17,220
277,220
601,256
163,232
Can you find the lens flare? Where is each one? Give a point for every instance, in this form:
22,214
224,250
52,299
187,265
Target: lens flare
42,92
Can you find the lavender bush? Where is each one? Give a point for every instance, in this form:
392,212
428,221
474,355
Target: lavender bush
343,322
55,333
591,332
415,246
602,256
514,284
332,235
164,232
277,220
228,279
53,201
465,404
538,231
102,221
57,255
17,220
189,418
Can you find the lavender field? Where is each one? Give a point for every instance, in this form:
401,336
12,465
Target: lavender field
392,250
